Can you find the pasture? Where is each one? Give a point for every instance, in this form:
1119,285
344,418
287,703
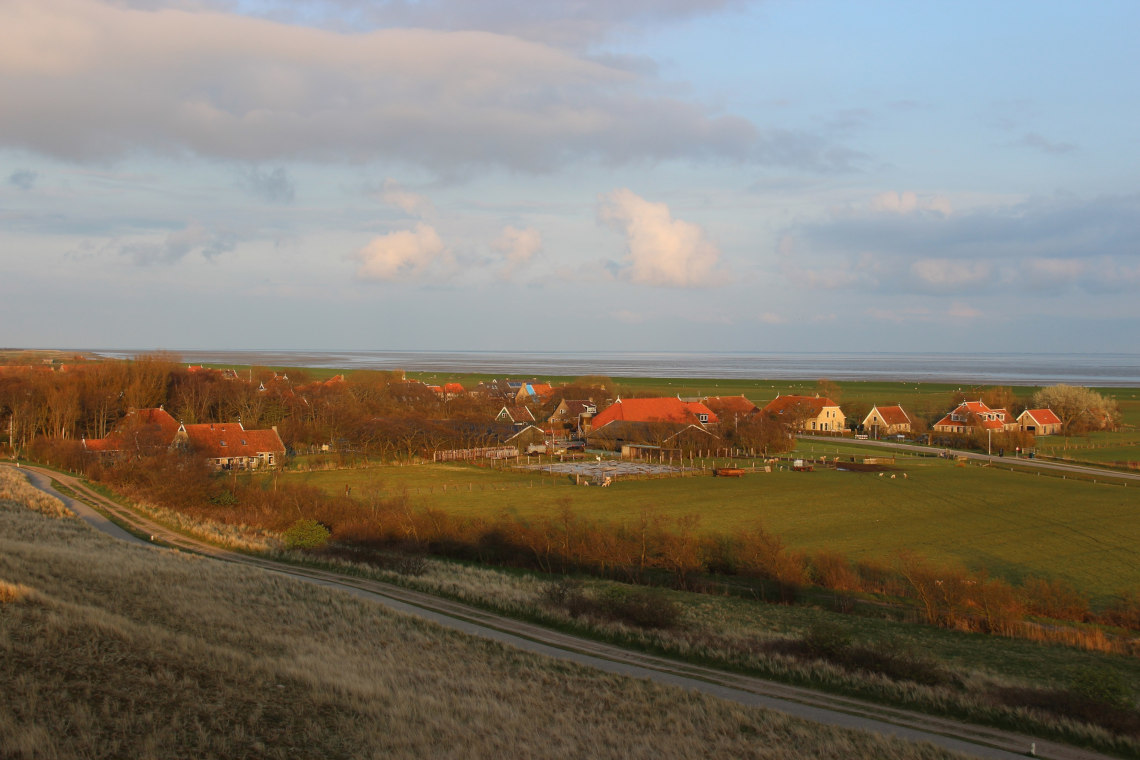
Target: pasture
1012,524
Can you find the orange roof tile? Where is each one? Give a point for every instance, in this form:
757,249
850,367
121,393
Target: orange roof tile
893,415
666,409
230,439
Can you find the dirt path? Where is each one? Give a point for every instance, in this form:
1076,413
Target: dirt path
975,741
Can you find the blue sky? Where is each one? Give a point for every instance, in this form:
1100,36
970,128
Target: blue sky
628,175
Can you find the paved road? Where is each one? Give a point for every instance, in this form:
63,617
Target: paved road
1021,462
828,709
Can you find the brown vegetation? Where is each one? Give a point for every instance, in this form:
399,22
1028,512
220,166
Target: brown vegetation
105,662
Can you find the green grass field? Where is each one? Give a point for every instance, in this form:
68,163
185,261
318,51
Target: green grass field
1013,524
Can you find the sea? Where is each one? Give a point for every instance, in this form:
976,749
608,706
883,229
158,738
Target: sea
1097,370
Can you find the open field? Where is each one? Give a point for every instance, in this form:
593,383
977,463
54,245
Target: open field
99,659
1013,524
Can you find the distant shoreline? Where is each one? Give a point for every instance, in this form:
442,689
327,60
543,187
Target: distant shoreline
1027,369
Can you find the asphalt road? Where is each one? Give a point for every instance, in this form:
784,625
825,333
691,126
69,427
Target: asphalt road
971,740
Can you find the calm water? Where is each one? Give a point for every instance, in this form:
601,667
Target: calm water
989,369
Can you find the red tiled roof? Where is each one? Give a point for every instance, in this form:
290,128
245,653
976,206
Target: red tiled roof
893,415
1043,416
813,404
230,439
667,409
453,388
737,405
975,413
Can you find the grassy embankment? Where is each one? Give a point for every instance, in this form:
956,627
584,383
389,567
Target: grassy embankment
99,659
1013,524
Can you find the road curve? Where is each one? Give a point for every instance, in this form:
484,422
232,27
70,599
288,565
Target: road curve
845,712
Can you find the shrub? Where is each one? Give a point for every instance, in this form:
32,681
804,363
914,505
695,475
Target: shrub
1103,686
306,534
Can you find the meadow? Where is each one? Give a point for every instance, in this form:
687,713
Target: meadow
99,659
1012,524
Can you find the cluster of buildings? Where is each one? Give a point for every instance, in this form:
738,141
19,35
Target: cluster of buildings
628,425
227,445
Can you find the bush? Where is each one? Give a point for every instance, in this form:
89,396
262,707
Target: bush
306,534
1103,686
643,608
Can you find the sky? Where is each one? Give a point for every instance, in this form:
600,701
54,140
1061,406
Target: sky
569,175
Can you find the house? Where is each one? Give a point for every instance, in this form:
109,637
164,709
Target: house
808,413
1039,422
886,420
515,415
532,392
230,446
141,431
667,409
644,438
453,390
971,415
573,415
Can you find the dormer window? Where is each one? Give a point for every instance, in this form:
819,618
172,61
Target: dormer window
704,417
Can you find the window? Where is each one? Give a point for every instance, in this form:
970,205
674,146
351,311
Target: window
223,443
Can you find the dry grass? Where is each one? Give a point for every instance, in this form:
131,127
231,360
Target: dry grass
134,652
14,486
755,638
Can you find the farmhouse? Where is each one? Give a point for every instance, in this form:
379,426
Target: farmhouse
639,438
808,413
971,415
886,420
1039,422
230,446
651,410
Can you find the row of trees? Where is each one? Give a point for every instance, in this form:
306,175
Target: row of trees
367,412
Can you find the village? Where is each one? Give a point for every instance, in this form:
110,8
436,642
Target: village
237,419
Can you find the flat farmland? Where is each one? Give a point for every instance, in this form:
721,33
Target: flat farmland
1013,524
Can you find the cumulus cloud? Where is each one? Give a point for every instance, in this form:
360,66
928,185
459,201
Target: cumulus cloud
662,251
272,186
25,179
86,80
401,255
412,204
178,244
517,247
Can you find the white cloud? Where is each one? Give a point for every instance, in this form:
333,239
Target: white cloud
909,202
518,247
951,273
663,251
771,318
412,204
401,255
87,80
